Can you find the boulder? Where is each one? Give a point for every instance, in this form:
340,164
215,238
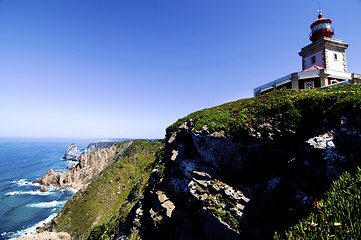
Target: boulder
43,189
45,236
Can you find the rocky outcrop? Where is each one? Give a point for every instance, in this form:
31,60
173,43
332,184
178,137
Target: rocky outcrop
89,165
45,236
43,189
72,153
94,208
94,146
212,186
217,187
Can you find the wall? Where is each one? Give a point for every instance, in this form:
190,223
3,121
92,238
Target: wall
319,60
337,65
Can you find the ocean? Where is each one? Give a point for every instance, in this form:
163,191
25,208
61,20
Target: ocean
23,207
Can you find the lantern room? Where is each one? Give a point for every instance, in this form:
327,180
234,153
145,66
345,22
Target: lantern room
321,28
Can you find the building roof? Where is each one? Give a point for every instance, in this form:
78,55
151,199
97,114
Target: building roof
314,67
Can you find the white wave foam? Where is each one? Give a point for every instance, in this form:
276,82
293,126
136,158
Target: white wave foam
32,230
28,192
51,204
72,161
24,182
72,190
12,193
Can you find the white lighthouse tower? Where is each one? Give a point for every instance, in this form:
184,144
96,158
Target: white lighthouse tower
324,51
323,62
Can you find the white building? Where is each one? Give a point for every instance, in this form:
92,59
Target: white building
323,62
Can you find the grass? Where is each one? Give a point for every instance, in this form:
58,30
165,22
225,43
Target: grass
337,216
117,186
226,216
291,109
301,112
99,212
110,228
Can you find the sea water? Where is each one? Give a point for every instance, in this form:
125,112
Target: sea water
23,207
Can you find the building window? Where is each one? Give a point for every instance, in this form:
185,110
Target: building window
335,56
313,59
309,85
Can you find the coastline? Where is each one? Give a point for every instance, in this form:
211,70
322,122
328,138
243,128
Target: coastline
45,236
23,207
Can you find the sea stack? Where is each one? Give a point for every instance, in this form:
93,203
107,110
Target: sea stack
72,153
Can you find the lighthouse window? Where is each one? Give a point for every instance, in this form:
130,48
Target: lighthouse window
313,59
321,26
335,57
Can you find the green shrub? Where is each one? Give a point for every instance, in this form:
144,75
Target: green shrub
230,203
287,108
337,216
210,200
226,216
134,235
293,118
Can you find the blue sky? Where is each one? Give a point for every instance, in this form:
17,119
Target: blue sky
130,68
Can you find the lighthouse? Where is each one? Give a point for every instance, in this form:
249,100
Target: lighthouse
321,28
323,62
324,51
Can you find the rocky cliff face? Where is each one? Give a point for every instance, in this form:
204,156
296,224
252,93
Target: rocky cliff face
242,170
101,208
94,146
73,153
217,187
89,165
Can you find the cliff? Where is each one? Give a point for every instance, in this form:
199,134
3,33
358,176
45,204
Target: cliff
90,165
73,153
242,170
250,168
110,195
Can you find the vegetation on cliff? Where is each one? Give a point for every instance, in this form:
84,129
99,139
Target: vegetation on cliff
300,114
337,216
291,109
263,176
99,209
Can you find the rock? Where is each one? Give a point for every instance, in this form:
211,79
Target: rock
166,204
71,167
94,146
201,175
322,142
169,207
174,155
162,197
89,165
45,236
72,153
189,124
43,189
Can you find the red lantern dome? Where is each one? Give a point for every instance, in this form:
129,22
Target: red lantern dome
321,28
